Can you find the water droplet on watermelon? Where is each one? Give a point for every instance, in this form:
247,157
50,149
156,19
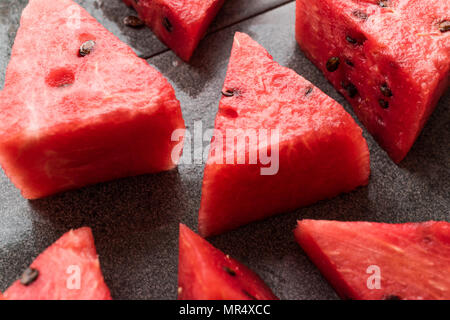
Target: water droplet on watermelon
29,276
333,64
383,3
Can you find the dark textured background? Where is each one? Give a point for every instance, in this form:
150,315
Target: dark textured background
135,220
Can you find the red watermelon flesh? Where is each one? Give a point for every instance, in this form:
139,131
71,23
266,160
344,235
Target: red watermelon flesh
180,24
206,273
321,149
69,121
413,258
67,270
394,60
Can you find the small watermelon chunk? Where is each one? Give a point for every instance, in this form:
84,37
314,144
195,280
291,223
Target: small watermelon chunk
79,107
390,59
206,273
321,151
180,24
67,270
411,260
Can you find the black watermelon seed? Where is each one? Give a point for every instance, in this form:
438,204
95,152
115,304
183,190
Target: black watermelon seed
87,47
230,271
249,295
29,276
385,90
308,91
167,24
228,93
360,14
333,64
133,21
349,63
383,3
392,297
444,26
351,40
351,89
383,103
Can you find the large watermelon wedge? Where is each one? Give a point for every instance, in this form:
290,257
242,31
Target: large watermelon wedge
180,24
67,270
206,273
389,58
79,107
365,260
320,151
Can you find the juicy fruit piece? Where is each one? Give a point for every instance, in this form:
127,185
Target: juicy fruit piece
394,55
180,24
79,107
321,151
413,258
53,275
206,273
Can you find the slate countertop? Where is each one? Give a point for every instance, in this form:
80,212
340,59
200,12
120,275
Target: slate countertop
135,220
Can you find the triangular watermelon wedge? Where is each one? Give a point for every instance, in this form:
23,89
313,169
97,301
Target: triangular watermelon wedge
179,24
206,273
320,151
79,107
370,261
67,270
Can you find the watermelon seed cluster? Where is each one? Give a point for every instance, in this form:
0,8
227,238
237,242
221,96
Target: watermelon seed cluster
29,276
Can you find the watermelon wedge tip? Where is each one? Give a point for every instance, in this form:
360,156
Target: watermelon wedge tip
68,270
316,150
205,273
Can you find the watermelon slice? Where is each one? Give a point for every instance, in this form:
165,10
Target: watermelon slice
79,107
206,273
68,270
389,58
180,24
411,260
320,151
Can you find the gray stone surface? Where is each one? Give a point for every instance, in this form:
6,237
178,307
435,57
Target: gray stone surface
135,220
